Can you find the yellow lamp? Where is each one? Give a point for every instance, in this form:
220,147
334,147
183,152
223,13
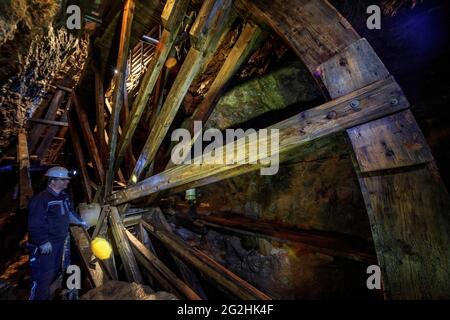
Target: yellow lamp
101,248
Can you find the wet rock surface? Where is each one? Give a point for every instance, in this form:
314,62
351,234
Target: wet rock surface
118,290
35,53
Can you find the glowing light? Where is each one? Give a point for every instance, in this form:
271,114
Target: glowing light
171,62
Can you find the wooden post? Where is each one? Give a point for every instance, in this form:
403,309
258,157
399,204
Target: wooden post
126,254
23,159
117,97
100,114
222,276
96,272
89,137
38,129
173,15
79,156
159,270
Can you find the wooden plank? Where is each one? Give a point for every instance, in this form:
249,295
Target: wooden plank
355,67
94,269
25,187
210,21
69,90
388,143
328,243
313,28
50,122
117,96
128,260
79,157
374,101
207,35
100,114
89,137
38,129
162,270
213,270
408,212
173,13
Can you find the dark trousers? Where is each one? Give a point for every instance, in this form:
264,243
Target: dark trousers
46,268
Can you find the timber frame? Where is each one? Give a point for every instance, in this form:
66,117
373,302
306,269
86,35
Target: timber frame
391,156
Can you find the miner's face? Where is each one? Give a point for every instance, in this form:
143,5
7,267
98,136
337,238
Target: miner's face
60,183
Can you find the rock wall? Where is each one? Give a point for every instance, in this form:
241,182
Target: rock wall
35,52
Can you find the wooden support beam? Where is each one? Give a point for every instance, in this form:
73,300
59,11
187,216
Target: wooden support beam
95,270
117,96
128,260
25,187
102,226
38,128
358,107
100,114
213,270
328,243
69,90
79,157
174,12
50,122
159,270
205,33
89,137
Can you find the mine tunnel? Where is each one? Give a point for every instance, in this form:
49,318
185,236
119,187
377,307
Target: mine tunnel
219,149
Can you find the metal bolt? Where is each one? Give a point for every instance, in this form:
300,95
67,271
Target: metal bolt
355,104
394,101
331,115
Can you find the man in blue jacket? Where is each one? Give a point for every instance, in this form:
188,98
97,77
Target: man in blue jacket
49,215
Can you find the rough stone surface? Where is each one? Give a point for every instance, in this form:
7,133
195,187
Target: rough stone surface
118,290
287,271
35,52
277,90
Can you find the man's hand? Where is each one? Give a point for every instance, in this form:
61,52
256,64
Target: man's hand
84,225
46,248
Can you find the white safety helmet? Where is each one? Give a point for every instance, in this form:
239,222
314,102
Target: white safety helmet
58,172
